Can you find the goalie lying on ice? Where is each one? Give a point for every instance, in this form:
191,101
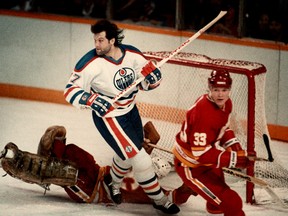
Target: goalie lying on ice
76,170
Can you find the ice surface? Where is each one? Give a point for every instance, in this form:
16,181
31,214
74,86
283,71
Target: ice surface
24,122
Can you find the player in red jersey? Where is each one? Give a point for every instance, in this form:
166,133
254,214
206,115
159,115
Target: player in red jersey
76,170
205,144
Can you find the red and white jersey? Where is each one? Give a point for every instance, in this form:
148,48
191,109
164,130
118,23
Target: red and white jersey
106,76
204,126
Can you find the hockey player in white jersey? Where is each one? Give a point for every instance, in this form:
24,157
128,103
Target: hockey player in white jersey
98,77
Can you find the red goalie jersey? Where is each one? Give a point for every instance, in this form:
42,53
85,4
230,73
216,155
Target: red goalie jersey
90,186
74,169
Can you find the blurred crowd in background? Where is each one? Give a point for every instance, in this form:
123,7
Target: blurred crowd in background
260,19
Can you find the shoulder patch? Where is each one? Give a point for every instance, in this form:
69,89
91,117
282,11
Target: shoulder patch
130,48
85,60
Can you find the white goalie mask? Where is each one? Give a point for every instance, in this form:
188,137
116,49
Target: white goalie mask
161,166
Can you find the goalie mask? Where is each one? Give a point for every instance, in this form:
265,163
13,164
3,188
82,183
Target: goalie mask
220,78
161,166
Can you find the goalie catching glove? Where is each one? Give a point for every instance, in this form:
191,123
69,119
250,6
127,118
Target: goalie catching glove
152,75
46,145
33,168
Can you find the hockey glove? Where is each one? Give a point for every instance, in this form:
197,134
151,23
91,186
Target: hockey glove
239,159
102,105
229,159
152,75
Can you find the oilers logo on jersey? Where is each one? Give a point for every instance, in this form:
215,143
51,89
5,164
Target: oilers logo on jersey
123,78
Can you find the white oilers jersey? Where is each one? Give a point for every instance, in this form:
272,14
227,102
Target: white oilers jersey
105,76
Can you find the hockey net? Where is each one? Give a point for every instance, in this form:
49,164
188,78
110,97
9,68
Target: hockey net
166,107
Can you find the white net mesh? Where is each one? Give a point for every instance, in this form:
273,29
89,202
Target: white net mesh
185,79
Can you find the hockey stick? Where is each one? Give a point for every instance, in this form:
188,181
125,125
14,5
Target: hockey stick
172,54
226,170
241,175
252,158
257,181
267,145
196,35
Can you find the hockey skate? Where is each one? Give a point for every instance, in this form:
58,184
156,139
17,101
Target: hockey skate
213,209
166,206
182,194
114,189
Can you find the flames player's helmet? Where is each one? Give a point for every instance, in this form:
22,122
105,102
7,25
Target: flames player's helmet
220,78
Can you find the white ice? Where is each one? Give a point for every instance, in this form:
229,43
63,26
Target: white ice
24,122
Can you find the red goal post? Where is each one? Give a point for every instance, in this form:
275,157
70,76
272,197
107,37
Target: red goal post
185,79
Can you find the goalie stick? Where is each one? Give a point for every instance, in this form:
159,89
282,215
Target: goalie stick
241,175
172,54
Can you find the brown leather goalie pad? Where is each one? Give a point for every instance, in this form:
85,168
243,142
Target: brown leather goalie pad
151,136
33,168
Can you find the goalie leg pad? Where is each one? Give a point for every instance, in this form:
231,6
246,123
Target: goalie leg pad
33,168
59,172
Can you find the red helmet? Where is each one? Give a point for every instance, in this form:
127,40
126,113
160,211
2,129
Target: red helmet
220,78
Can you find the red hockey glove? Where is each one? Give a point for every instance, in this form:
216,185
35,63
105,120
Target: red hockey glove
230,159
152,75
242,161
230,142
